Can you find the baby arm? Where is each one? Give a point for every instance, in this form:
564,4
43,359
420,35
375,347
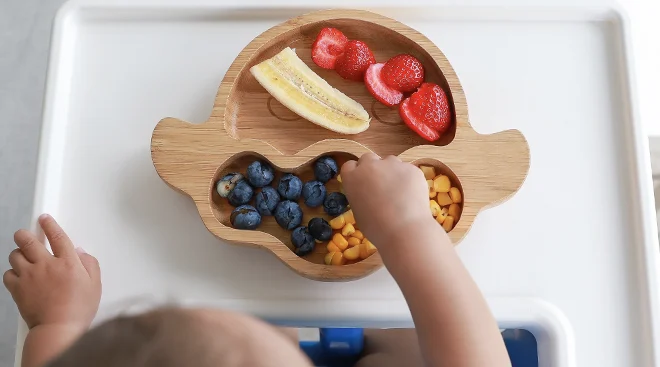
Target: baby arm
454,324
57,295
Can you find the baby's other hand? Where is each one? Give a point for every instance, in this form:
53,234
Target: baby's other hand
63,289
388,197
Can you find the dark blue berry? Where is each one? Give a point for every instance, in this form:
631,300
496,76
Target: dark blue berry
325,168
289,187
335,203
288,214
241,194
260,174
313,192
226,184
320,229
245,217
266,200
302,240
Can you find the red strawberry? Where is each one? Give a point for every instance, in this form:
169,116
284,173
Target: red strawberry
427,111
378,88
329,45
403,73
354,62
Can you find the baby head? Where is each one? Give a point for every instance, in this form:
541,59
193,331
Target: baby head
182,337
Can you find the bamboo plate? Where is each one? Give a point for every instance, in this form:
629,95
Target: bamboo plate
247,123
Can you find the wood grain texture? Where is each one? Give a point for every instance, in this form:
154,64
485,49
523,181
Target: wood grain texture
246,122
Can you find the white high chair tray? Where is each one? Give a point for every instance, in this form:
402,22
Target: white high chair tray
572,256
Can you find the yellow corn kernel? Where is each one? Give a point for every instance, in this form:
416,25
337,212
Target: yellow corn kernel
442,215
339,178
432,193
430,184
338,259
454,211
441,184
455,195
443,199
348,230
367,249
340,241
357,234
338,222
332,247
328,258
435,208
448,224
353,241
429,171
352,253
348,217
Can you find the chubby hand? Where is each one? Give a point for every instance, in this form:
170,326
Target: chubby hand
389,198
59,289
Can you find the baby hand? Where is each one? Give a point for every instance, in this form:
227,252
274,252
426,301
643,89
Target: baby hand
64,288
389,198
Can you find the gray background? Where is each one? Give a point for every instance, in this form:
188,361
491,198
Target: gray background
24,43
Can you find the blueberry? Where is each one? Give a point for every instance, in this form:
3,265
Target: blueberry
313,192
260,174
226,184
320,229
302,240
325,168
241,194
289,187
335,203
245,217
288,214
266,200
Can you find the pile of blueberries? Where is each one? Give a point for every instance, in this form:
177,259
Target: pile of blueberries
282,202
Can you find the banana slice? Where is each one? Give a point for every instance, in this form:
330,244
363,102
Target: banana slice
289,80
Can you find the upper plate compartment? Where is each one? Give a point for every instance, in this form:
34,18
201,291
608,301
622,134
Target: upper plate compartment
250,112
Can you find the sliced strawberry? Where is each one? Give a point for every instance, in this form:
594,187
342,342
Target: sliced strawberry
378,88
415,123
354,62
404,73
329,45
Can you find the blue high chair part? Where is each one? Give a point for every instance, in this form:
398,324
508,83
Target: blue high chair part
341,347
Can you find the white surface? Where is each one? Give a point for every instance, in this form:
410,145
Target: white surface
577,235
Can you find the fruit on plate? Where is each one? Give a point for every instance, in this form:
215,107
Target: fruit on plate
260,174
245,217
379,89
403,73
446,199
325,168
227,183
320,229
302,240
289,187
329,45
266,200
289,80
355,60
335,203
241,194
348,244
288,214
427,111
313,192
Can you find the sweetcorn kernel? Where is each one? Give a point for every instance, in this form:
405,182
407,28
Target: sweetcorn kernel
353,241
348,230
455,195
352,253
430,184
429,171
328,258
339,178
340,241
338,222
441,184
432,193
443,199
348,217
367,249
338,259
454,211
435,208
442,215
448,224
332,247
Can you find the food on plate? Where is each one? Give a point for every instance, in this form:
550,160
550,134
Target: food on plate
320,229
329,45
355,60
313,193
427,111
367,249
260,174
245,217
340,241
335,258
335,203
348,241
289,80
403,73
265,200
303,241
338,222
348,230
379,89
325,168
226,184
352,253
289,187
241,194
288,214
445,198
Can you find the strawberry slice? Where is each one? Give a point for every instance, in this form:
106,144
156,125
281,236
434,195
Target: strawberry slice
329,45
404,73
378,88
354,62
427,111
